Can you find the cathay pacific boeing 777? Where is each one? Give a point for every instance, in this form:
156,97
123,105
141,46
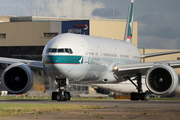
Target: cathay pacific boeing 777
73,58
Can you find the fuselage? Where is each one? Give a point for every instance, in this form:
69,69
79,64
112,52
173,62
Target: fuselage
86,59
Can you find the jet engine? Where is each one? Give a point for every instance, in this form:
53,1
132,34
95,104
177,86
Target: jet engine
161,79
17,78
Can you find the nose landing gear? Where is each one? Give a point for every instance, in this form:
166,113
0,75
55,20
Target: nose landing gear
62,94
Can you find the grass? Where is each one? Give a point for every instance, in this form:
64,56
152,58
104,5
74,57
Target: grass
10,109
173,98
98,116
96,99
74,99
48,98
18,109
23,98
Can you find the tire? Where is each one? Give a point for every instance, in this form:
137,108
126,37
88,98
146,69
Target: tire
69,95
59,97
54,95
134,96
145,96
65,96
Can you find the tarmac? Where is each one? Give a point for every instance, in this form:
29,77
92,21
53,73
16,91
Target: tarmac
134,110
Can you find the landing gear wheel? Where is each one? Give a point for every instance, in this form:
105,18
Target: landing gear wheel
141,96
134,96
69,95
54,95
145,96
65,96
59,97
62,95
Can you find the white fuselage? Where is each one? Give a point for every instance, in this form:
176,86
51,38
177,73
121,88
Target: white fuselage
86,59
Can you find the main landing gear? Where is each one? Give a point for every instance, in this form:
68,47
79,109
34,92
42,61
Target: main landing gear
62,95
138,95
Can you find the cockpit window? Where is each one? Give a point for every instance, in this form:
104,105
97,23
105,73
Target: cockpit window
61,50
48,50
70,51
66,49
53,50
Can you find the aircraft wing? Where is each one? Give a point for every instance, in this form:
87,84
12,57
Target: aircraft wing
133,69
29,63
158,54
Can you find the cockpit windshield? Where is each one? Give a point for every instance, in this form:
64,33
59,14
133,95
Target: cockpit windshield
60,50
53,50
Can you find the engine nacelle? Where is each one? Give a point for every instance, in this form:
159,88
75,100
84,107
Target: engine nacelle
17,78
161,79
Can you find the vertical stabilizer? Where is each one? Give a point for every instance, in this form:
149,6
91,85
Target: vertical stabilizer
129,24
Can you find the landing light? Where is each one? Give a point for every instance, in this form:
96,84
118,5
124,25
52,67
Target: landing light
115,68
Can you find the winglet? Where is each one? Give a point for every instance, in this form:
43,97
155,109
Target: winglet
129,24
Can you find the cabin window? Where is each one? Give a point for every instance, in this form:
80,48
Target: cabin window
106,54
91,53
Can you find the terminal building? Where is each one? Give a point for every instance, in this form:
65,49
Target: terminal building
25,37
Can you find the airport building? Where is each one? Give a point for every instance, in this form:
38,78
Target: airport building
25,37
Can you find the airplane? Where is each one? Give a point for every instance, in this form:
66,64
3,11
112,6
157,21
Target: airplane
73,58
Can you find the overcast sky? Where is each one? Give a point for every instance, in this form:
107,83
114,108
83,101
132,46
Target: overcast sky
158,20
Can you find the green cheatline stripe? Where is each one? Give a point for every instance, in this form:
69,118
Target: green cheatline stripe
64,59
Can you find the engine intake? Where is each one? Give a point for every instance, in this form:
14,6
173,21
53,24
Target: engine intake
161,79
17,78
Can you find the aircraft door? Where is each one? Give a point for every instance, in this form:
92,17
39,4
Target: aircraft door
85,53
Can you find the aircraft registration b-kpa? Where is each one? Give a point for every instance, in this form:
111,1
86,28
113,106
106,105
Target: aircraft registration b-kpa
86,59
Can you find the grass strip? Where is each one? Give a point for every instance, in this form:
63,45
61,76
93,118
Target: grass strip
23,98
18,109
78,98
173,98
48,98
